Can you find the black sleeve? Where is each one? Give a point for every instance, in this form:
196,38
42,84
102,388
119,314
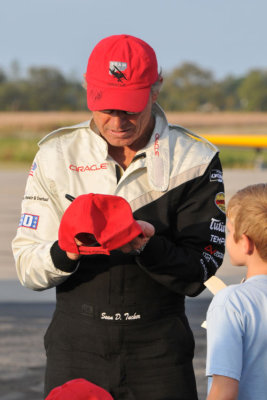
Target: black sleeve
195,250
61,260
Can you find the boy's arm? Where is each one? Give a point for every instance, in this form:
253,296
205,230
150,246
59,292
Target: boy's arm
223,388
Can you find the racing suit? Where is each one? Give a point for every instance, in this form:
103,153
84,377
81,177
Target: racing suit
120,319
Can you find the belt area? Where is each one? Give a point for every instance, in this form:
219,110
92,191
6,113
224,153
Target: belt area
125,314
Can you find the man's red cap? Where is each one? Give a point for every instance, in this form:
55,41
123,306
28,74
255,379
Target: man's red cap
106,218
79,389
120,72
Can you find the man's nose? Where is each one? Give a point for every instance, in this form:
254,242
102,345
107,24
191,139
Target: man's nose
118,118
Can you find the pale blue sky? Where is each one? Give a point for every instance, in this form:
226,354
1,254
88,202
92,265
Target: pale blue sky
224,36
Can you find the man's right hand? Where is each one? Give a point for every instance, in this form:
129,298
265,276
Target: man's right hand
140,241
136,244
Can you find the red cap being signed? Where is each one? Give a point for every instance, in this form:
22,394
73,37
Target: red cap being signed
106,219
79,389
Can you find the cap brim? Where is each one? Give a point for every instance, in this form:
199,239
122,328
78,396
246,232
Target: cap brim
117,99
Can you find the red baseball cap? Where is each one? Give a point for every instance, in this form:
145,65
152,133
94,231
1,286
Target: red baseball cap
106,218
120,72
79,389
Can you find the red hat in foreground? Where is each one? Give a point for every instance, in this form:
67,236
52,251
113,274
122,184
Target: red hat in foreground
120,72
106,219
79,389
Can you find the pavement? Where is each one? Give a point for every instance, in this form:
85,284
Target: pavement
25,314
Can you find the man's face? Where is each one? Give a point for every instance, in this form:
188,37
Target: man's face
121,128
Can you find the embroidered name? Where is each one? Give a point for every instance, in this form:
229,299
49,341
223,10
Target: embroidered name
120,317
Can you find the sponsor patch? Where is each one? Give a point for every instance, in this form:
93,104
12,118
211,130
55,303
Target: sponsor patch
33,168
217,225
88,168
156,145
220,201
217,239
214,252
117,65
210,258
210,249
116,68
216,175
38,198
205,270
29,221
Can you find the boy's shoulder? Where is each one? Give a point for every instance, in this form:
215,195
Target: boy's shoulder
226,296
238,295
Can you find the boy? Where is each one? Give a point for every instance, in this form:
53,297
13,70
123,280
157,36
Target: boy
237,316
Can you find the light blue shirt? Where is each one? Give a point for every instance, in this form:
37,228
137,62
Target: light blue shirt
237,337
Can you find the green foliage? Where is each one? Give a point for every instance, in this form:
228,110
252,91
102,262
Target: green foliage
253,91
191,88
187,87
242,158
44,89
17,150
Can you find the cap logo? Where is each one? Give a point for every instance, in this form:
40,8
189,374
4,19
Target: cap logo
116,68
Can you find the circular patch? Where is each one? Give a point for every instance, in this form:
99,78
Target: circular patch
220,201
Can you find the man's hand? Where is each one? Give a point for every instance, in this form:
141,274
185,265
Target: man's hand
136,244
74,256
140,241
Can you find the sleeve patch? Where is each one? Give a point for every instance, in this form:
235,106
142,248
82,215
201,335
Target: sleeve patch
29,221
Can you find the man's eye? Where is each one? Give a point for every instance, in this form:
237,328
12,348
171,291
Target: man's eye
119,111
130,113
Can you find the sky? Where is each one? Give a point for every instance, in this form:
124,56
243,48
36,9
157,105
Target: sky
226,37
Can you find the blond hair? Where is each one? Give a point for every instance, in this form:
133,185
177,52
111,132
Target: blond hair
247,210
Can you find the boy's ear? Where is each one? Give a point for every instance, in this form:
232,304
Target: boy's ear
248,244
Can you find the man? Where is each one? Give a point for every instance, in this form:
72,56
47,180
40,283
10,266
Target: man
120,320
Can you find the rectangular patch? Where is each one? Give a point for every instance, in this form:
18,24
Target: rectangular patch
33,168
29,221
216,175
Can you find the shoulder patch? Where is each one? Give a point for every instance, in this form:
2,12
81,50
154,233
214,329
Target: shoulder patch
220,201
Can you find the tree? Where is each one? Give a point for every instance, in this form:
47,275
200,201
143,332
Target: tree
46,87
186,88
253,91
230,86
3,77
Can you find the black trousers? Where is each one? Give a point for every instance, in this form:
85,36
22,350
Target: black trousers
133,360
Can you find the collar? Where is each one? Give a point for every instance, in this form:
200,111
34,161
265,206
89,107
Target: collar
158,153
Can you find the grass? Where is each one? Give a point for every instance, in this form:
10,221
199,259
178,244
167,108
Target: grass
21,131
243,158
15,151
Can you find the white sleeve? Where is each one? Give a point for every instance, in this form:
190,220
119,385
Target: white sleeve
41,212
